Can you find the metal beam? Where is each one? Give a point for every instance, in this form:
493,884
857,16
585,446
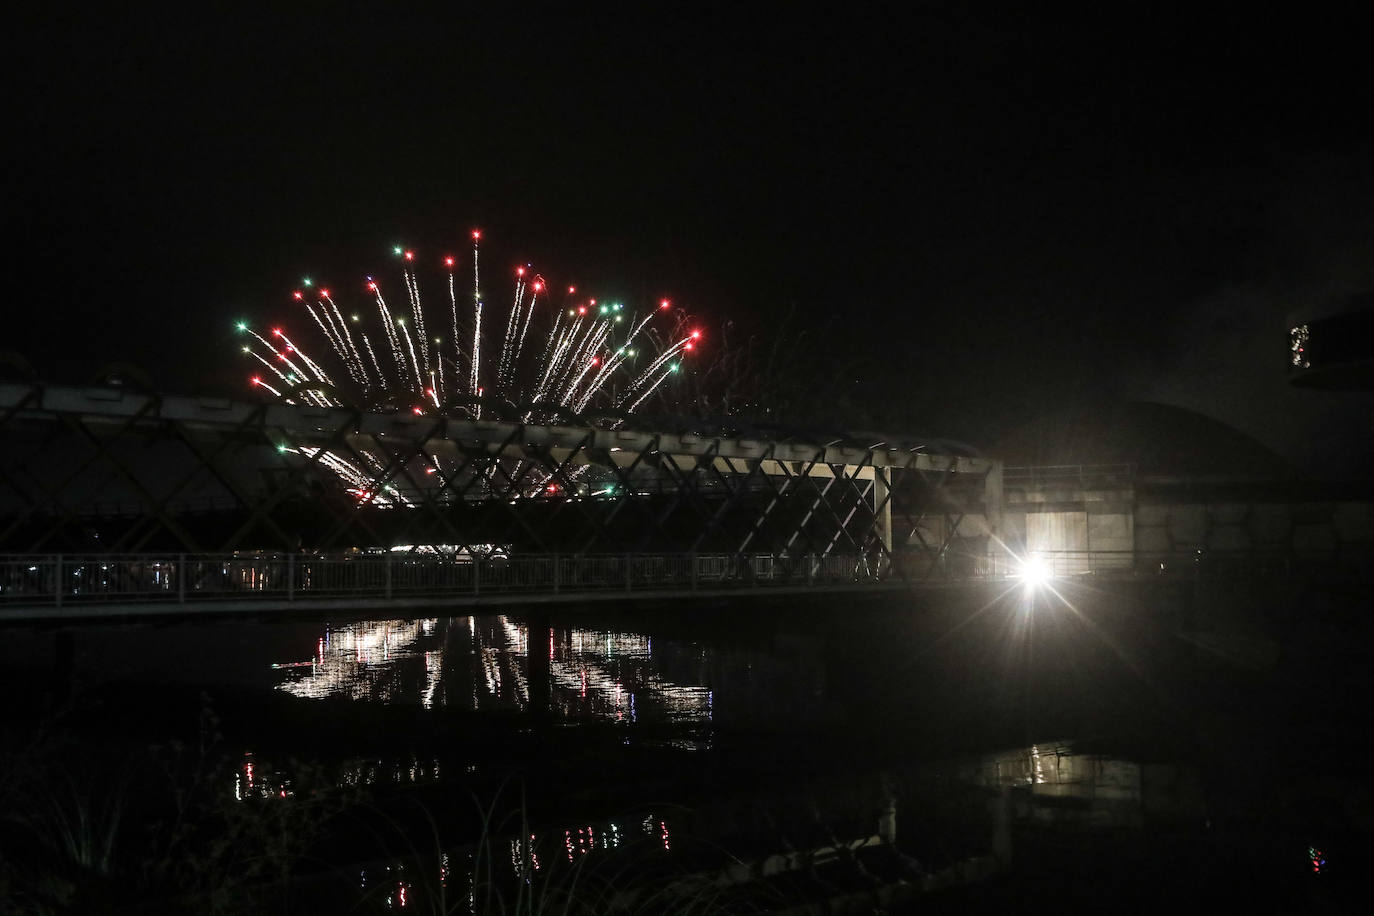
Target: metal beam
671,490
305,423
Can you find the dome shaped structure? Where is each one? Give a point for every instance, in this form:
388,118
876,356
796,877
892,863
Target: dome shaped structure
1157,439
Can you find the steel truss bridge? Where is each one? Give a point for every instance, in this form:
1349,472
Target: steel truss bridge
190,498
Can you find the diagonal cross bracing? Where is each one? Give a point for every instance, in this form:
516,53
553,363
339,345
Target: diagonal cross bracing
460,483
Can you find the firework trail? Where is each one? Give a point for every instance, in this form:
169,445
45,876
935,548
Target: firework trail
512,322
295,376
347,349
389,326
453,306
326,325
410,347
418,313
272,368
536,288
588,355
381,376
319,373
256,380
473,388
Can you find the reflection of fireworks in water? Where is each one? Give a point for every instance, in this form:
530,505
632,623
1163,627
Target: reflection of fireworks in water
358,661
579,355
611,675
604,675
595,674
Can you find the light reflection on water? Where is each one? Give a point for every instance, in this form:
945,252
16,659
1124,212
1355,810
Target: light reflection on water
253,780
482,664
1057,783
1056,768
1050,784
530,858
360,661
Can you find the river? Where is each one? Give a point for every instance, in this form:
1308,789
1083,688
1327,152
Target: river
943,744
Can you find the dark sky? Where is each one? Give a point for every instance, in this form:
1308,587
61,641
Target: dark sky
988,215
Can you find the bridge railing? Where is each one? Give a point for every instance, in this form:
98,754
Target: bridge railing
65,580
57,580
1192,563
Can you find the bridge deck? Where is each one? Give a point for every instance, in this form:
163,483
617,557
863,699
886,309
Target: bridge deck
75,586
455,603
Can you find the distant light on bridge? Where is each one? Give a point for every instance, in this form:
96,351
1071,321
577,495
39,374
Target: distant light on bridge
1035,571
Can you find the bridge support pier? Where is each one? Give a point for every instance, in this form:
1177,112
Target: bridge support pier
992,512
882,506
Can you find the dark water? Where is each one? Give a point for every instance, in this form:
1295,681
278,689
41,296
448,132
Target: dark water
1114,747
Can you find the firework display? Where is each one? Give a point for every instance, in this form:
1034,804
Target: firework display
534,362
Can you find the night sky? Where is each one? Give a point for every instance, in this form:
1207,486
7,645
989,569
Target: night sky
985,216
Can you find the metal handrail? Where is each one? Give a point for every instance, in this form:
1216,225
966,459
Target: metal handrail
57,580
1194,563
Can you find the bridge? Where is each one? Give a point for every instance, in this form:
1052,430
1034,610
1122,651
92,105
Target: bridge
116,500
112,496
